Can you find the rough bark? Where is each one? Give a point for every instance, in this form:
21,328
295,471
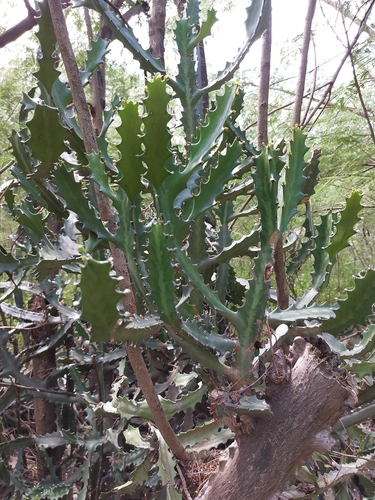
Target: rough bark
44,410
119,261
307,394
19,29
300,90
156,29
282,289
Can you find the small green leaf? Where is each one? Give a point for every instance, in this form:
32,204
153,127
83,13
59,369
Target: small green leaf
221,174
133,437
99,175
212,340
311,172
321,257
344,229
47,73
47,134
294,179
366,345
356,307
138,329
75,200
186,77
200,433
32,221
251,313
156,138
256,22
129,408
362,368
8,264
130,164
138,476
161,275
211,129
99,300
204,31
292,314
14,444
95,57
236,249
166,469
266,195
210,296
249,405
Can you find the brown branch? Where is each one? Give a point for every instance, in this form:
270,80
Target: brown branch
312,91
134,353
360,95
340,8
156,27
325,98
97,82
136,9
19,29
296,117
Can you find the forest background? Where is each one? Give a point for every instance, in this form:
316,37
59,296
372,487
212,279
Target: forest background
341,127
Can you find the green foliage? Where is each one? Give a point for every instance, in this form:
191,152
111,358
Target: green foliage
130,164
99,299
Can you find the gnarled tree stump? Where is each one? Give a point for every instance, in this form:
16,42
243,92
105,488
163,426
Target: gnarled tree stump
307,394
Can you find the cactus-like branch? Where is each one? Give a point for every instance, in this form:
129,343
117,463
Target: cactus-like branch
134,353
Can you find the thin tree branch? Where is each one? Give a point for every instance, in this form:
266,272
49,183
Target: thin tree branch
296,116
134,353
360,95
19,29
325,96
184,486
98,97
312,91
345,12
5,167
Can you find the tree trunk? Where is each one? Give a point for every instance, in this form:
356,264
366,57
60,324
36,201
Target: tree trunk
156,27
307,394
44,410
